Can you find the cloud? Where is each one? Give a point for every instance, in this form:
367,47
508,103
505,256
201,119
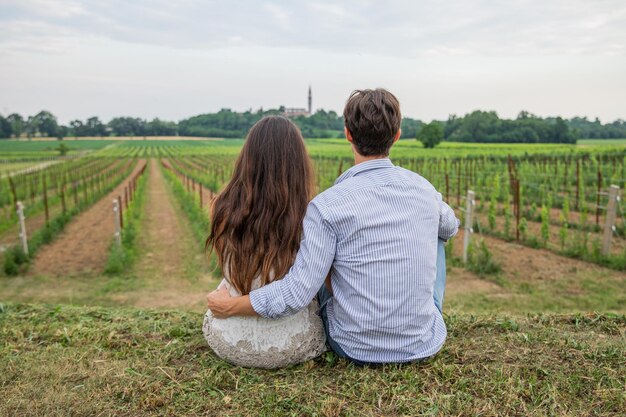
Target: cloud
280,15
401,28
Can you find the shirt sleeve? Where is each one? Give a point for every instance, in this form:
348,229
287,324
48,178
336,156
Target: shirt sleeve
315,257
448,223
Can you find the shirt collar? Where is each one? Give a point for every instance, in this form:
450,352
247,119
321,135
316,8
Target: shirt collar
365,166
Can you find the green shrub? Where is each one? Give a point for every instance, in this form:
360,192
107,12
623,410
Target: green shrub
545,224
480,259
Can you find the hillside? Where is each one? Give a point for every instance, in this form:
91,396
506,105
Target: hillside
61,360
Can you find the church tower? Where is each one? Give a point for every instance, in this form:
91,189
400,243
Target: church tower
310,102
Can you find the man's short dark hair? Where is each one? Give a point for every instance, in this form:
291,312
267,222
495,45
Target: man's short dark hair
373,118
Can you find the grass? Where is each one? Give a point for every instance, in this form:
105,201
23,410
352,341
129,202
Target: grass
121,257
15,166
595,142
578,292
60,360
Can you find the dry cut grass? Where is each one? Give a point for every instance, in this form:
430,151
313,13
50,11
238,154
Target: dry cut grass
79,361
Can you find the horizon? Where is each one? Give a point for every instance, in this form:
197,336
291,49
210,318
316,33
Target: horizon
79,58
339,114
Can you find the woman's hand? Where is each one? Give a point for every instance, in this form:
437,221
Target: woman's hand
223,305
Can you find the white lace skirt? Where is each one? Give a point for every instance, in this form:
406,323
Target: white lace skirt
264,343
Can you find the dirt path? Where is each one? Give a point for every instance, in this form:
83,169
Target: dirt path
82,246
170,267
207,195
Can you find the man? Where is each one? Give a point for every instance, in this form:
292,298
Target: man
376,230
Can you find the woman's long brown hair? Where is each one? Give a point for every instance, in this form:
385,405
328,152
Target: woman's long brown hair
256,221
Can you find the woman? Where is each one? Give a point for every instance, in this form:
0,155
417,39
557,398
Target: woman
256,228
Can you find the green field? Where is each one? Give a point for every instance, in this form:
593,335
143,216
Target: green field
602,142
536,317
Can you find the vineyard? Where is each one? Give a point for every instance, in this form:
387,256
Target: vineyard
104,275
559,198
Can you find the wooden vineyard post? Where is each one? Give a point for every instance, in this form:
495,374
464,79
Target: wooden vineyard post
75,194
32,190
119,202
200,192
23,238
126,198
467,174
609,223
13,193
516,207
118,224
598,196
577,182
469,206
458,184
45,199
445,170
63,196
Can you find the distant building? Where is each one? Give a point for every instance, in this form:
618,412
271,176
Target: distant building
300,111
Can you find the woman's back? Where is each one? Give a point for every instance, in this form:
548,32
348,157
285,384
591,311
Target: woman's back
256,227
264,343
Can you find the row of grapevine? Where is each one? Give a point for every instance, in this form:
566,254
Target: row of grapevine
69,205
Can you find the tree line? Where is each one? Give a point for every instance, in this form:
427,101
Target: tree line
477,126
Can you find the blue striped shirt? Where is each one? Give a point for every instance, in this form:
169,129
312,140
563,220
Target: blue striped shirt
376,230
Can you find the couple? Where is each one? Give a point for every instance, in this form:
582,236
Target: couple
360,267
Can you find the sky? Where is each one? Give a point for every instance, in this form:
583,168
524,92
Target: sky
175,59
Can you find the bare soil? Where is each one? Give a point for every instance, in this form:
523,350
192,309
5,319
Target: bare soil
82,247
460,282
207,195
171,265
520,262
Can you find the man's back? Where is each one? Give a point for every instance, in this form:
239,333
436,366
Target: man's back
386,221
376,231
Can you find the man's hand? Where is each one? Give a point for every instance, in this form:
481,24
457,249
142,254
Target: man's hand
223,305
220,303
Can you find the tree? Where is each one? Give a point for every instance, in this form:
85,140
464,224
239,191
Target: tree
562,133
431,134
5,128
62,149
127,126
17,124
410,127
158,127
78,128
62,132
95,127
46,123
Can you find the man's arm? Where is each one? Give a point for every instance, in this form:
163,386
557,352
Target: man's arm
296,290
222,305
448,223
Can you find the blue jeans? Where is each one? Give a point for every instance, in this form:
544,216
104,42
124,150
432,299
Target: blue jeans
323,296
